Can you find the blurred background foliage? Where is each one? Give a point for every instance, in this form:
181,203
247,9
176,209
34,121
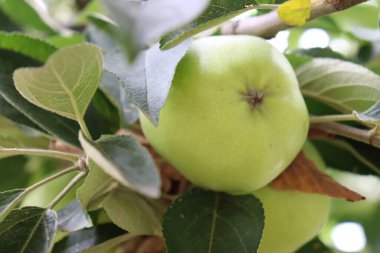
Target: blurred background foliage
352,35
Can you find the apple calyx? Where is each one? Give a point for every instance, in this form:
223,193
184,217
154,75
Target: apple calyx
254,98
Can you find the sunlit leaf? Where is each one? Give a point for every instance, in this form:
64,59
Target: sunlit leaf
21,111
66,83
295,12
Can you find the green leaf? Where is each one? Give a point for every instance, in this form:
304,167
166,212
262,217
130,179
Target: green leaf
347,155
142,23
73,217
314,246
7,197
24,44
84,239
133,212
62,128
64,41
28,230
66,83
95,186
342,85
217,12
147,81
206,221
27,15
124,159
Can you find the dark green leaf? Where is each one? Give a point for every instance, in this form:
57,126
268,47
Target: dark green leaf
320,52
63,128
133,212
102,116
348,155
6,24
26,45
84,239
28,230
16,172
148,80
8,111
205,221
314,246
124,159
73,217
217,12
7,197
142,23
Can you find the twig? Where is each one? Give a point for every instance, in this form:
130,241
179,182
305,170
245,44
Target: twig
268,25
331,118
365,136
68,187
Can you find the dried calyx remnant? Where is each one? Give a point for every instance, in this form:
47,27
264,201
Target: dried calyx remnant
254,98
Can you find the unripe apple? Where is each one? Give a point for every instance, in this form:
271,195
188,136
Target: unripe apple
292,218
234,118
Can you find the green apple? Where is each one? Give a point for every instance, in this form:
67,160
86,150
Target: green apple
234,118
292,218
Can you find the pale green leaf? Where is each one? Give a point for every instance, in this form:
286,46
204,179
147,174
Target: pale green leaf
133,212
66,83
96,185
342,85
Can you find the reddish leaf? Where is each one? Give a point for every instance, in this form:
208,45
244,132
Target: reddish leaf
302,175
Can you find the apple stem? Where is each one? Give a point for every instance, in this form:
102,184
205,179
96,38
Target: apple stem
332,118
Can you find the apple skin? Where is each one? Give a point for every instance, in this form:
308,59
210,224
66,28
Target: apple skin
292,218
234,118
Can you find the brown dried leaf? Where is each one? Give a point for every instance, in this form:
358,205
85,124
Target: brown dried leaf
302,175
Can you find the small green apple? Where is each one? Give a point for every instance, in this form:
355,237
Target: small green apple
234,118
292,218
